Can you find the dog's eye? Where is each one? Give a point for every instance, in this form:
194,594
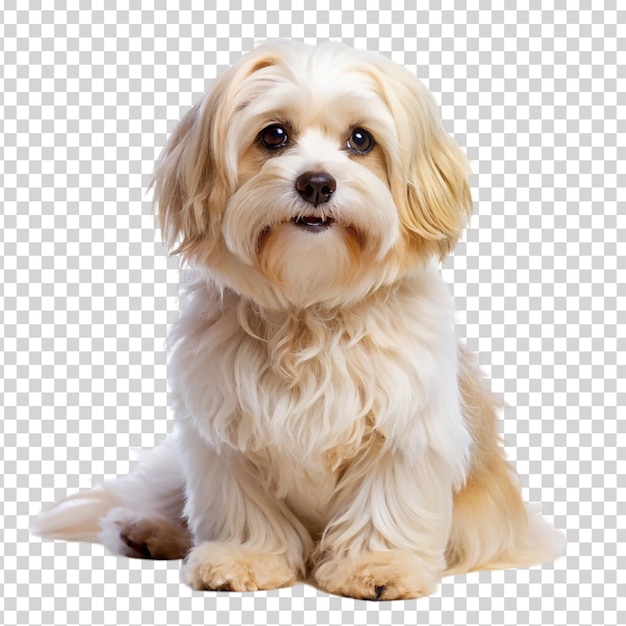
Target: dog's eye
274,136
360,141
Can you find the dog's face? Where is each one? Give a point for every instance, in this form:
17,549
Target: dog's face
312,176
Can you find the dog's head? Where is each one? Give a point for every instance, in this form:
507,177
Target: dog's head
312,175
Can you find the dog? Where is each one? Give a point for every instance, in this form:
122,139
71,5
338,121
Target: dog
328,424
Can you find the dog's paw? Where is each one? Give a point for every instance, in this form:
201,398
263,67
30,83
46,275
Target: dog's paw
227,567
154,537
383,575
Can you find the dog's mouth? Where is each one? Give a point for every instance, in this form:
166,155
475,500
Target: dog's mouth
309,223
313,223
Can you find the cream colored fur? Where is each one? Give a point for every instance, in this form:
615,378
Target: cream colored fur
327,421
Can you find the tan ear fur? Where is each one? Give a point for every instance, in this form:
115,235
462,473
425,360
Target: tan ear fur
429,176
178,190
197,170
439,201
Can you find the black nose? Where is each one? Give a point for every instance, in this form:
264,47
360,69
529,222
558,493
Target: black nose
316,187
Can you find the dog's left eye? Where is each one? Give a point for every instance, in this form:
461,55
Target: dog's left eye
360,141
274,136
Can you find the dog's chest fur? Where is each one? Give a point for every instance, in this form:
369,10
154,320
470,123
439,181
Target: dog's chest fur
299,394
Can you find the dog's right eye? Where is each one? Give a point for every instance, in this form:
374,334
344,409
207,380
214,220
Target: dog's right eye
274,136
360,141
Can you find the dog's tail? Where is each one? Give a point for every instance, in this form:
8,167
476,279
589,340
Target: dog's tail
77,517
139,515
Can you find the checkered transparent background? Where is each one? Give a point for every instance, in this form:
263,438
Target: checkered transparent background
535,93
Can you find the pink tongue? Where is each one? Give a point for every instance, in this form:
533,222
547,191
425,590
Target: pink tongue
312,220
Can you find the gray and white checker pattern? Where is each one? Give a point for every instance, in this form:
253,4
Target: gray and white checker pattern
535,93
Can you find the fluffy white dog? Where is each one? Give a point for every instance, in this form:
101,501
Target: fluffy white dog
328,422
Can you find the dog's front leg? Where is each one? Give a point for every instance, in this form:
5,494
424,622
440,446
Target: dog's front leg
392,520
244,538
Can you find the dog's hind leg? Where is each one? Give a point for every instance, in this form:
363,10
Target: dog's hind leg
139,515
493,527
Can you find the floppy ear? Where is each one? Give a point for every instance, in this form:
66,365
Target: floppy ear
187,179
429,173
197,171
